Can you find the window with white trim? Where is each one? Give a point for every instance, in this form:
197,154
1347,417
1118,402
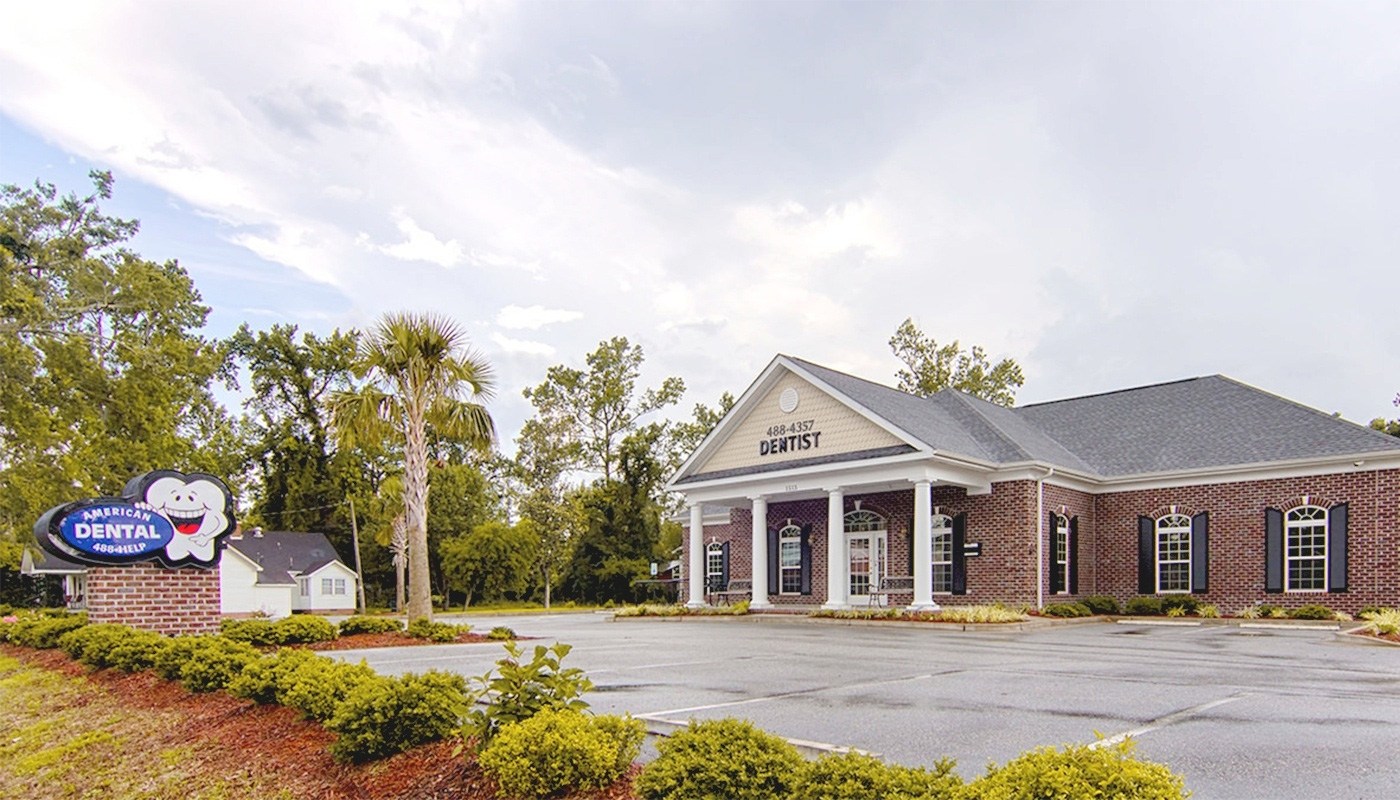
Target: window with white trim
1305,549
714,566
332,586
1062,552
1173,554
790,560
942,529
304,585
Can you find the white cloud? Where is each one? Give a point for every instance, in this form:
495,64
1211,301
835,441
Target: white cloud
533,317
417,245
521,346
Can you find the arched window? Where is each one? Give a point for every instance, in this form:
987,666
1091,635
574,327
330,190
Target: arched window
1305,549
942,529
861,520
1060,581
714,567
1173,553
790,559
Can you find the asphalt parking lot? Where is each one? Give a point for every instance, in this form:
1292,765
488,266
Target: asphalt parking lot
1241,712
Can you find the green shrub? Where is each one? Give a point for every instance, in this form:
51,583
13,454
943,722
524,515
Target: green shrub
856,776
561,749
255,631
1176,611
43,631
1066,610
726,758
523,689
303,629
384,716
1143,607
1208,610
1102,604
93,644
261,680
1277,612
366,624
1079,771
137,651
214,661
424,628
1370,609
317,686
981,614
1311,611
501,633
1185,602
172,654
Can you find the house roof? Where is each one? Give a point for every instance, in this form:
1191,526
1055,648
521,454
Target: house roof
1193,424
284,554
37,561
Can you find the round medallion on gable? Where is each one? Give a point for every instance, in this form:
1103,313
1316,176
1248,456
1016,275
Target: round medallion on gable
787,401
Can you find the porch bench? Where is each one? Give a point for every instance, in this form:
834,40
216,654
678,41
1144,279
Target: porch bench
890,584
735,590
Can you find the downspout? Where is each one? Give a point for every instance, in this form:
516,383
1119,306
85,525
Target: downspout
1040,538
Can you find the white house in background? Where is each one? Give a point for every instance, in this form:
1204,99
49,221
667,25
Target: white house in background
35,561
279,572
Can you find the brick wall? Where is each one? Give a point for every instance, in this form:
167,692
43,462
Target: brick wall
1005,523
1237,537
151,597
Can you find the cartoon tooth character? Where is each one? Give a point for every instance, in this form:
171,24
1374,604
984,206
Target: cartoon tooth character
197,509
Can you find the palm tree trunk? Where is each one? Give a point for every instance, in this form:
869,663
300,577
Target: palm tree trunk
398,544
415,486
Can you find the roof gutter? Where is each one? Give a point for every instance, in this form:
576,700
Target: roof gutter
1040,538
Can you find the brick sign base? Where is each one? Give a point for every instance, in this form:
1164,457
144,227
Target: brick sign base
150,597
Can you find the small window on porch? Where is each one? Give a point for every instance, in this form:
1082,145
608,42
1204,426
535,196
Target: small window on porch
942,529
790,559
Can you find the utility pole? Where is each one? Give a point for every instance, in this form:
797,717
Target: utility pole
355,538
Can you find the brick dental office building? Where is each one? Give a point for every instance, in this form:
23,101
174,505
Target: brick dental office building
833,490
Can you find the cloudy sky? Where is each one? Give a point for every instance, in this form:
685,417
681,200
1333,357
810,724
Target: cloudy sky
1112,194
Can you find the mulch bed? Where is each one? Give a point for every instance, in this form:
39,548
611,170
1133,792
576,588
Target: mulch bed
232,736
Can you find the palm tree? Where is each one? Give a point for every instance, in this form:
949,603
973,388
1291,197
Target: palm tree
420,375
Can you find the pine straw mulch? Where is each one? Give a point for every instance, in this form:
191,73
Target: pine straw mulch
227,739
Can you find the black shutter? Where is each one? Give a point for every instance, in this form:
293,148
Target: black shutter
959,557
911,545
1057,573
806,548
724,567
1200,553
1147,562
1273,550
1074,555
1337,548
774,556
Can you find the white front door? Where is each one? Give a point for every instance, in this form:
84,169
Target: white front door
866,559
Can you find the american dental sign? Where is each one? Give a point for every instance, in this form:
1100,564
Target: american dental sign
165,516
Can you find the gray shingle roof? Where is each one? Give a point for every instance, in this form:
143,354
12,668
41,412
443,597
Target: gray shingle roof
1196,423
282,553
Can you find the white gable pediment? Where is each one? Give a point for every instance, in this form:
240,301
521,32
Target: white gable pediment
786,417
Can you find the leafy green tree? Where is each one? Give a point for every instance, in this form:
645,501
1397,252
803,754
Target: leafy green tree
598,407
493,561
103,373
463,500
420,376
542,457
686,436
298,472
930,368
621,525
1391,427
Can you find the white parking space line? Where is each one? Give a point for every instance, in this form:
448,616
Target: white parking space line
664,664
797,693
1162,722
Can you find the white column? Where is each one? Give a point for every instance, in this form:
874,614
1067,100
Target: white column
760,554
923,548
695,572
838,563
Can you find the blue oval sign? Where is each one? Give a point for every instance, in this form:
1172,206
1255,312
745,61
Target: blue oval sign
115,530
